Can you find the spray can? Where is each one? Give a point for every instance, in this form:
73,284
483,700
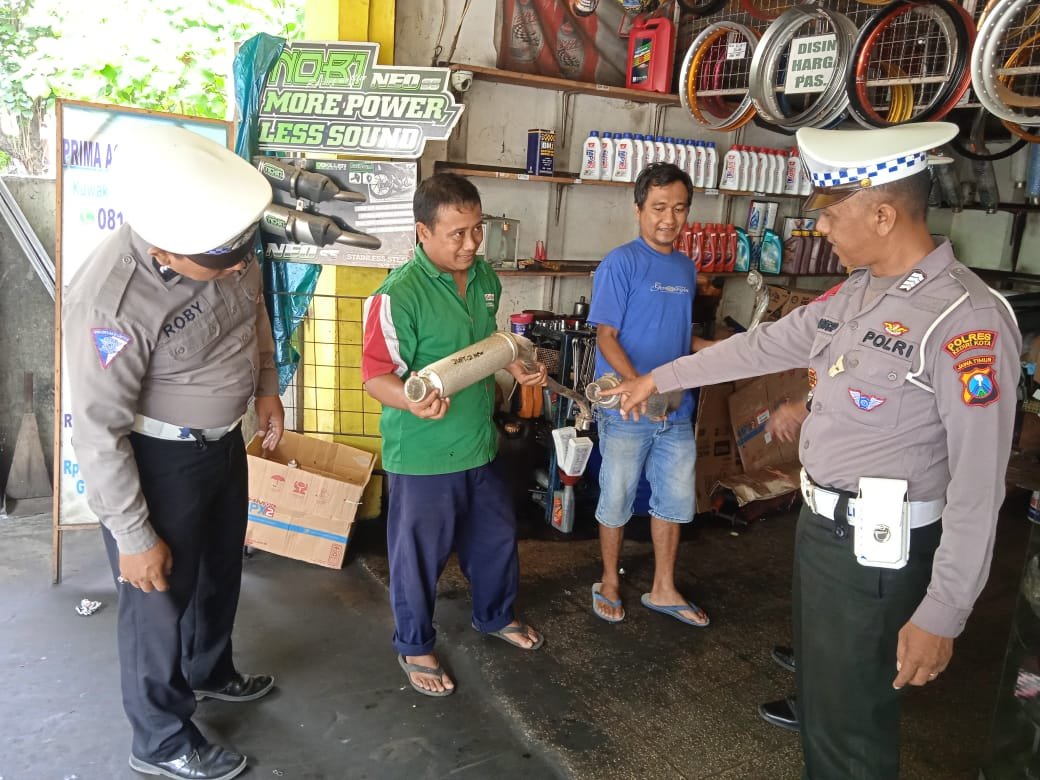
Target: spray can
590,157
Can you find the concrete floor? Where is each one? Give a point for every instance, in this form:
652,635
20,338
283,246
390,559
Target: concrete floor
647,698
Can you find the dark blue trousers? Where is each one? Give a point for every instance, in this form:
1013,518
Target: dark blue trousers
430,516
173,642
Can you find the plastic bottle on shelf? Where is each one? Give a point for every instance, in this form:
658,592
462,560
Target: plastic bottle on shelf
762,175
638,154
731,168
792,249
648,150
792,172
660,155
781,170
691,158
606,155
711,165
774,166
708,249
671,150
590,157
697,165
622,159
805,187
697,245
749,168
815,247
680,154
730,252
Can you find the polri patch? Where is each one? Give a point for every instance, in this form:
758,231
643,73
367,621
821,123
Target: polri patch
980,386
972,339
865,401
895,328
109,343
489,300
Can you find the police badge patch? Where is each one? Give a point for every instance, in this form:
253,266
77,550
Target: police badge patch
980,386
865,401
109,343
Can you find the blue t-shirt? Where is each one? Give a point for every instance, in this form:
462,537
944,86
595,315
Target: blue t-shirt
648,297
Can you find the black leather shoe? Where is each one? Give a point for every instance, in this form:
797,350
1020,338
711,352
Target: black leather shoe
784,656
207,762
782,713
243,687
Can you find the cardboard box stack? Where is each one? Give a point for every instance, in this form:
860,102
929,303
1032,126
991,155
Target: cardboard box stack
305,510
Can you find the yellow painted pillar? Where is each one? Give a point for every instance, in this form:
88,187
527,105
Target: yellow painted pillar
333,337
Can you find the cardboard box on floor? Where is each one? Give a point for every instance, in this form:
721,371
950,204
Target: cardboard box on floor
305,511
750,408
716,449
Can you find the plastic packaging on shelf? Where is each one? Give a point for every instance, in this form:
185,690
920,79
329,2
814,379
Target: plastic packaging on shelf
590,157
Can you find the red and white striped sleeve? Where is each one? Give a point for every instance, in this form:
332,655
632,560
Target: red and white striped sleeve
381,351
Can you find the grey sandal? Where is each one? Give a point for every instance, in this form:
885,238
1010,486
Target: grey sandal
506,633
410,669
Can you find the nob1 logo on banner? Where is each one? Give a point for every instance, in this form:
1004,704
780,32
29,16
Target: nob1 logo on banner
332,97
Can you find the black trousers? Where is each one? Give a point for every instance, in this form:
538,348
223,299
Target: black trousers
171,643
847,619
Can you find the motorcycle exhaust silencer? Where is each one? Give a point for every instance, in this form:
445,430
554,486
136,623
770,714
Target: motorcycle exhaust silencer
468,366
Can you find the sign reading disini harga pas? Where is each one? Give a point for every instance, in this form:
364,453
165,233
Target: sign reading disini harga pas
334,98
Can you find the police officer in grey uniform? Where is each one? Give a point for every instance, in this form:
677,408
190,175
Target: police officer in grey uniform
916,362
166,341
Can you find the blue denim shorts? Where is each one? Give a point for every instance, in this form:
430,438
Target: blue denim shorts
667,450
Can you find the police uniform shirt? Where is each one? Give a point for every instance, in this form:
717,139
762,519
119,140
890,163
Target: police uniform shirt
185,352
872,418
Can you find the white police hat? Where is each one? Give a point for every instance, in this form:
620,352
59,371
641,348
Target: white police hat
188,195
843,162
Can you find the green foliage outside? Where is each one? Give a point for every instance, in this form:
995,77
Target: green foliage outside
164,55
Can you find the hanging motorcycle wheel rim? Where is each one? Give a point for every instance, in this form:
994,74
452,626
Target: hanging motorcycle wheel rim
910,63
715,75
818,109
1005,63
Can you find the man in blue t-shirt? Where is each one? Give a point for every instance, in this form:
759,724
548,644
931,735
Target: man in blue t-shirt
642,306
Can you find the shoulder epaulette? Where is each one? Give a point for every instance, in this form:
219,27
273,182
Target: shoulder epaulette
113,289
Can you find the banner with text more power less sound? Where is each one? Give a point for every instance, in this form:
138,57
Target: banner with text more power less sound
551,38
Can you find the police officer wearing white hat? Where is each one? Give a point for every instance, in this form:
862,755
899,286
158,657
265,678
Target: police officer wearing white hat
915,362
166,341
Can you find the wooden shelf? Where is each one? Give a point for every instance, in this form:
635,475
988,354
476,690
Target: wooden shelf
567,178
566,85
542,272
519,174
